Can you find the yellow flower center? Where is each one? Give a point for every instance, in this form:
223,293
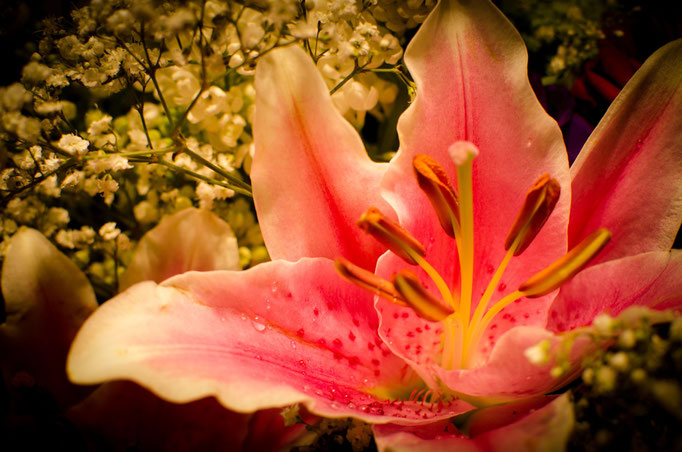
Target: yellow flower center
462,330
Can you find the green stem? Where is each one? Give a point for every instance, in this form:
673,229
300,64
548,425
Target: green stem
204,178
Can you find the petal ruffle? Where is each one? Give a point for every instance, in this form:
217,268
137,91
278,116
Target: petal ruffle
274,335
545,428
46,299
470,67
191,239
311,175
649,279
628,177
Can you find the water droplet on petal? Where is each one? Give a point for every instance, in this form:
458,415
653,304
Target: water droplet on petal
257,325
243,316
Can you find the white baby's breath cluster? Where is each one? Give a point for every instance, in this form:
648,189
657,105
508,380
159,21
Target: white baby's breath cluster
131,110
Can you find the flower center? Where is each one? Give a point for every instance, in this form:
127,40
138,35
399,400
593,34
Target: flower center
462,330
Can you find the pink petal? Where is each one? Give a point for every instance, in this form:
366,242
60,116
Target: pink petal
274,335
508,374
470,68
649,279
46,299
311,175
191,239
628,177
527,425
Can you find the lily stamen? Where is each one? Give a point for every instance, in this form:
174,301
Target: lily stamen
566,267
537,208
368,281
434,182
391,235
418,298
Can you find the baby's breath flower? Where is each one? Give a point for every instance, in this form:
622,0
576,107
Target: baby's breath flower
73,144
109,231
113,163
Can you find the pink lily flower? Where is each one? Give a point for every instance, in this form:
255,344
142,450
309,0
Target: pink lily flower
484,259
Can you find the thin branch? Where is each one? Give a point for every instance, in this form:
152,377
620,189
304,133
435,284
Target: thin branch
204,178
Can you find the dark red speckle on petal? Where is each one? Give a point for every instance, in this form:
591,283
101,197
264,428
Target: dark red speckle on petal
300,332
404,315
316,312
370,346
356,322
351,336
337,342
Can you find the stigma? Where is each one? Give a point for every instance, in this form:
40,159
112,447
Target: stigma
454,207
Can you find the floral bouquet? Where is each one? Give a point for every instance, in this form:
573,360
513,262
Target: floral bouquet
214,237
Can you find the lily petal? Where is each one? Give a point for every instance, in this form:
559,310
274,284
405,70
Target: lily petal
628,177
531,427
508,374
649,279
470,67
44,292
277,334
311,175
191,239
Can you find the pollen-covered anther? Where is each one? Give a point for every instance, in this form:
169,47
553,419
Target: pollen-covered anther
367,280
418,298
566,267
537,208
434,182
391,235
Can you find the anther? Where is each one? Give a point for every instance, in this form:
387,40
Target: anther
418,298
566,267
537,208
367,280
434,182
391,235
